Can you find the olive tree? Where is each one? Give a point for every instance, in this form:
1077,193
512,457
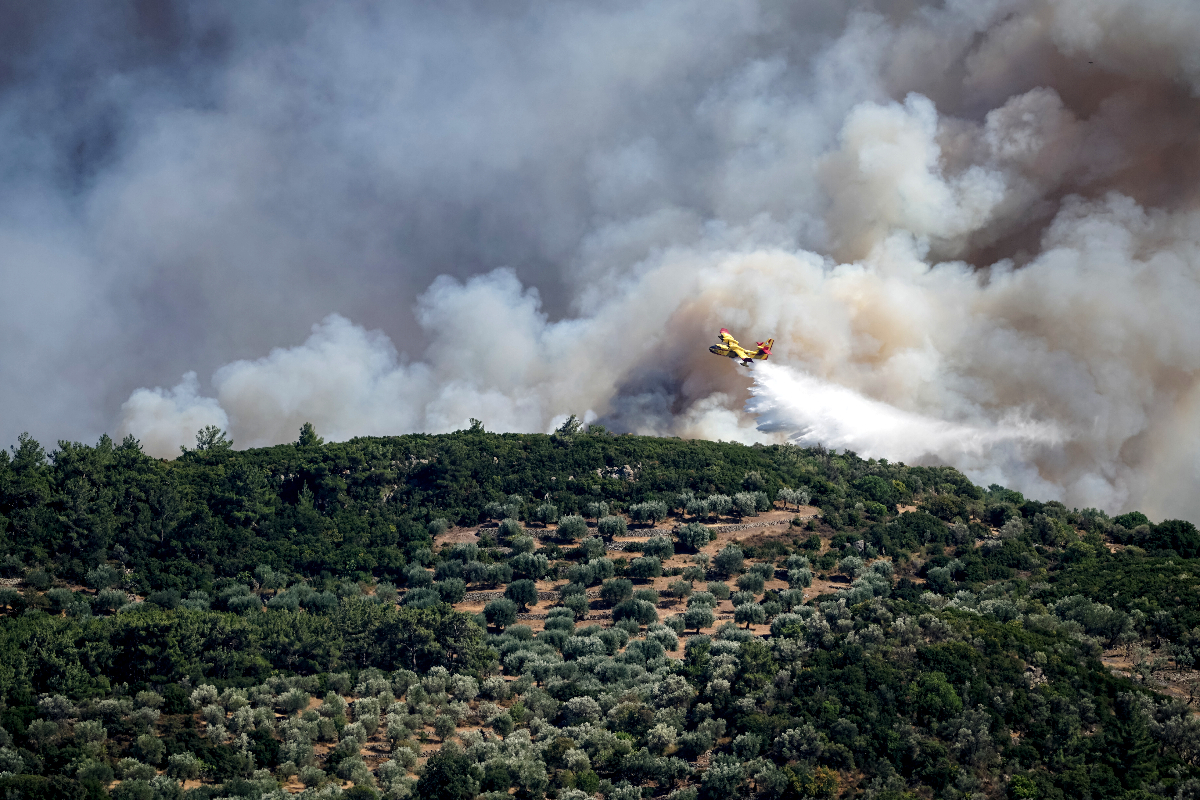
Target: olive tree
750,613
546,513
746,504
500,613
730,560
611,526
698,616
523,593
645,568
640,611
659,547
719,504
572,527
693,536
615,590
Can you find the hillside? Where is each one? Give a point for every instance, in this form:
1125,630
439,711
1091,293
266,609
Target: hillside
579,614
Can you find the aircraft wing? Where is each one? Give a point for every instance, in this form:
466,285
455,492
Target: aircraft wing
726,339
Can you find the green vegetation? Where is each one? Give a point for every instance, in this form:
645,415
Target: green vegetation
283,617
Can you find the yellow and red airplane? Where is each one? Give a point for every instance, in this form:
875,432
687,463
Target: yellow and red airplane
730,348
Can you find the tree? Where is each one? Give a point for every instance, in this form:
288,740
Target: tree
640,611
523,593
719,504
522,544
659,547
529,565
801,577
572,527
645,568
597,509
210,438
510,528
750,613
546,513
578,604
452,590
730,560
447,776
309,437
750,582
698,616
103,577
615,590
444,726
680,589
611,526
500,613
746,504
693,536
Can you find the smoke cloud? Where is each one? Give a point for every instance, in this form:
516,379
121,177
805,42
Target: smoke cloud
972,228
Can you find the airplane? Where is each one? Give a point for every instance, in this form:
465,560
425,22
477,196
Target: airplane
729,347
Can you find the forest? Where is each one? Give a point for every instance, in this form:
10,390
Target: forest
579,615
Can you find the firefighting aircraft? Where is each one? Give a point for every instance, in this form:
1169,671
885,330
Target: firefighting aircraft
729,347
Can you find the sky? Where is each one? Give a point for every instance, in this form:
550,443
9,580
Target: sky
971,227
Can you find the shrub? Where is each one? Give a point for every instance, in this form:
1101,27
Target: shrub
509,528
